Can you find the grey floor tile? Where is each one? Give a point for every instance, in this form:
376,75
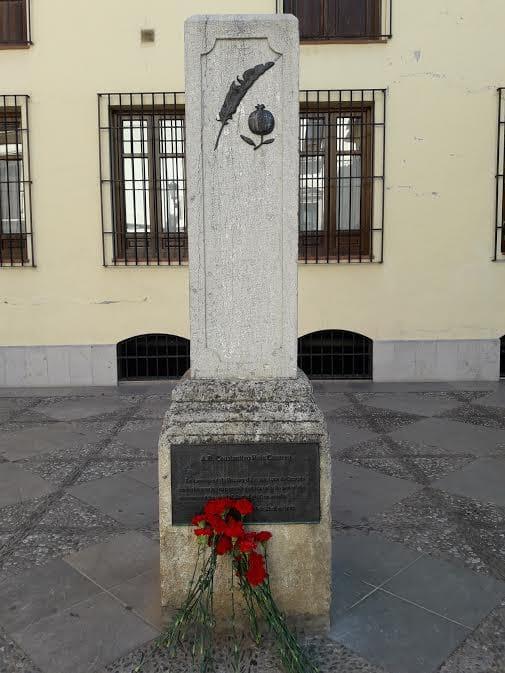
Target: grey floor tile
126,500
483,479
343,436
331,401
85,637
369,557
453,436
118,560
453,592
17,485
146,475
398,635
421,404
346,591
141,435
87,407
142,594
26,598
358,493
154,406
40,439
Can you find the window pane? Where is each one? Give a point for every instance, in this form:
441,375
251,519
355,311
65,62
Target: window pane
135,136
172,135
172,194
136,187
312,193
348,210
313,133
11,197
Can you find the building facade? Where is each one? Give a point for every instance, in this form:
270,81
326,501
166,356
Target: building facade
402,145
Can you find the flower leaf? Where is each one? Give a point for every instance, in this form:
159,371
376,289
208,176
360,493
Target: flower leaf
248,140
267,142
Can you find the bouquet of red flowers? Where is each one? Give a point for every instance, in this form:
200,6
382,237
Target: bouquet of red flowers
221,532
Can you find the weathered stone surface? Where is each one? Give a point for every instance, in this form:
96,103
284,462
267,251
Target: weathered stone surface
242,203
299,554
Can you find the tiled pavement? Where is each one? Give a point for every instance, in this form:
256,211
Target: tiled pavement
419,529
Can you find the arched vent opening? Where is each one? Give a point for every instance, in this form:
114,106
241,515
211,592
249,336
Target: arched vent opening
152,356
335,354
502,357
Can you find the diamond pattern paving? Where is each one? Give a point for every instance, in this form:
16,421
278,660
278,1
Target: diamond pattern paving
418,517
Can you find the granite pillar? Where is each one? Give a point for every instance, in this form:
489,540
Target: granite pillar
243,393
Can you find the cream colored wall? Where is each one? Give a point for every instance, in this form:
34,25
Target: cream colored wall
441,68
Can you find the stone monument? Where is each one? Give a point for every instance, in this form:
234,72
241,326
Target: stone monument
243,422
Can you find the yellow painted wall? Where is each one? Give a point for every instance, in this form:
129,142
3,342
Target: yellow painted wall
441,68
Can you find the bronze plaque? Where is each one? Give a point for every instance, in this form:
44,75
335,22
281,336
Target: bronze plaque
281,480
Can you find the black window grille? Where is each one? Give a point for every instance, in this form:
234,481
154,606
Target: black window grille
342,165
16,242
152,356
502,357
143,179
335,354
322,20
499,243
15,22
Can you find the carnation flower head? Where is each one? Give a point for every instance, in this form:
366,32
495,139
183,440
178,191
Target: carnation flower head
256,571
204,531
218,506
263,536
243,506
224,545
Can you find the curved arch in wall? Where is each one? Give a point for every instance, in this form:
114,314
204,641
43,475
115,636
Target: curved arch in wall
336,354
152,356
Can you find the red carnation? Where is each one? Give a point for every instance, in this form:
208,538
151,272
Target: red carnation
246,545
197,519
224,545
204,531
263,536
218,506
234,528
243,506
217,523
256,572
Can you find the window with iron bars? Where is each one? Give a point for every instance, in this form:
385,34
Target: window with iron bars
142,173
15,22
16,244
499,241
142,152
329,20
342,142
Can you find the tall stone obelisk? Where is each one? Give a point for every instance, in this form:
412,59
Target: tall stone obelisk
244,422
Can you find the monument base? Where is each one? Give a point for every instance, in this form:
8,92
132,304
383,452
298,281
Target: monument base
248,414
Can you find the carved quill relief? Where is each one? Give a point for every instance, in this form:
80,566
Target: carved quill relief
236,93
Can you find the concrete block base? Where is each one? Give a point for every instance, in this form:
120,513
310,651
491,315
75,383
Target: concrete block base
45,366
455,360
299,555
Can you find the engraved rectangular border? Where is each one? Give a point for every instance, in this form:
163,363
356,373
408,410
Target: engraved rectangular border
314,505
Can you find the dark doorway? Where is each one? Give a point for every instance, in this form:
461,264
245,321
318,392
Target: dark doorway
152,356
335,354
